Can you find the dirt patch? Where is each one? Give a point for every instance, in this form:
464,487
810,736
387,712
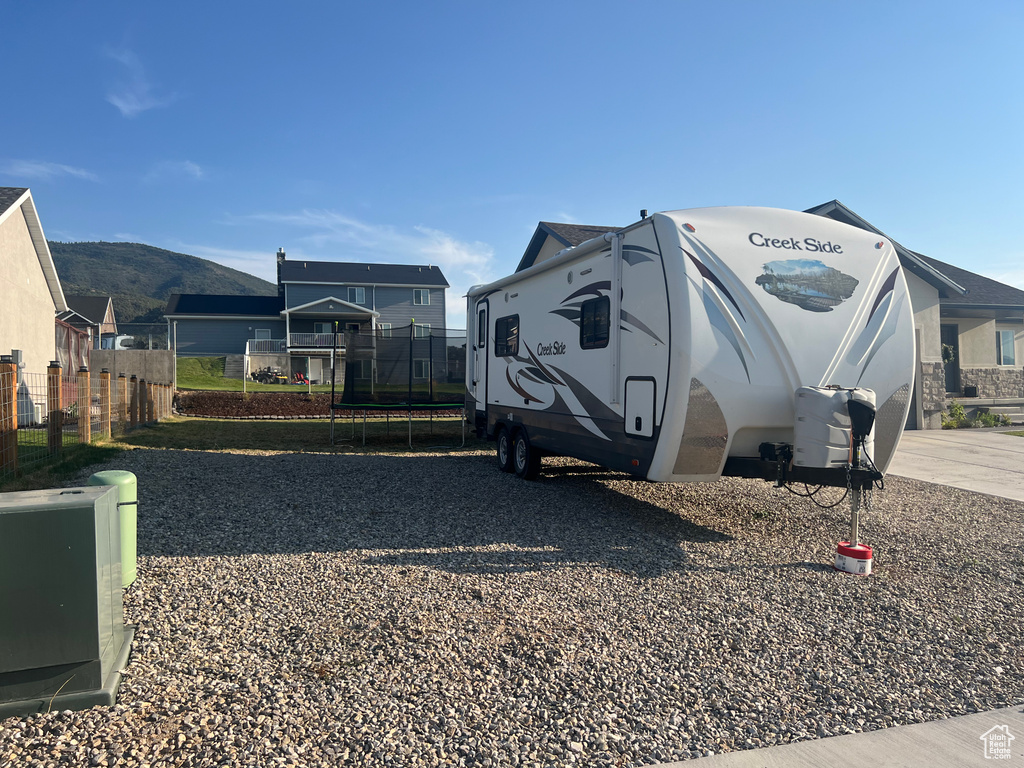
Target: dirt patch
253,404
268,405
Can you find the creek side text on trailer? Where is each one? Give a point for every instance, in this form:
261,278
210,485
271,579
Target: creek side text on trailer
700,343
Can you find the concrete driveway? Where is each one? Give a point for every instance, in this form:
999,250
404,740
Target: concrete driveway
981,460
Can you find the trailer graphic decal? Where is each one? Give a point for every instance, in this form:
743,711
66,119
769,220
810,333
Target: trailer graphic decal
887,288
558,393
710,276
571,311
808,283
711,301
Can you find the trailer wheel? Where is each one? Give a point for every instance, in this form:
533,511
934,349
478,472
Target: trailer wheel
504,450
526,457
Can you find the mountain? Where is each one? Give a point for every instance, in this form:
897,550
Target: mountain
141,278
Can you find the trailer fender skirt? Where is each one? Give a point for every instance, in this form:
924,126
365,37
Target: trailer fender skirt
705,434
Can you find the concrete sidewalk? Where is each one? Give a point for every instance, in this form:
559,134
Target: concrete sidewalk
957,742
980,460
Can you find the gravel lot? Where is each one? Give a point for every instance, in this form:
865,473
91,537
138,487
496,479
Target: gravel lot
315,610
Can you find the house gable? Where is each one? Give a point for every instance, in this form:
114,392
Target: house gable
331,306
911,261
551,237
13,199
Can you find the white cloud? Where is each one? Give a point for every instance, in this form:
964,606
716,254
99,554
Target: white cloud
175,169
36,169
135,94
344,238
259,263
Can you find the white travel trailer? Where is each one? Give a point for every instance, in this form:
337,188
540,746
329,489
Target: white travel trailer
699,343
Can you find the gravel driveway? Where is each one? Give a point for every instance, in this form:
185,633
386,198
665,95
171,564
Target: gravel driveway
327,610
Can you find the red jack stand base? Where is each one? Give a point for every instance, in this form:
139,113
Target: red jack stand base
855,559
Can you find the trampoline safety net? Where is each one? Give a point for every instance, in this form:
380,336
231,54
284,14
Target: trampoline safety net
410,365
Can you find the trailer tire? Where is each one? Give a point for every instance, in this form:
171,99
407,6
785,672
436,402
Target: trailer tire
526,458
504,450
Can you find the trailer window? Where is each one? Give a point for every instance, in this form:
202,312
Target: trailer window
506,336
481,329
594,323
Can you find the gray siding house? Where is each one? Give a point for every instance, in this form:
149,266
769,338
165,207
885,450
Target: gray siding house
294,330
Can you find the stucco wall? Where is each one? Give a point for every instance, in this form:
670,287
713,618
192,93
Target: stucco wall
153,365
549,249
977,336
924,299
26,311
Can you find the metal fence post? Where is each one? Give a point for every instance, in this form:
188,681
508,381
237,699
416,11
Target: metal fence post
55,408
84,406
8,416
134,403
105,403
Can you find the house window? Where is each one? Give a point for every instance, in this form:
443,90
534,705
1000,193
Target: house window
594,316
322,327
384,330
262,333
420,296
421,331
351,327
506,336
361,369
357,295
1004,348
421,369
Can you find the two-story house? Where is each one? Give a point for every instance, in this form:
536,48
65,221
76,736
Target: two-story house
294,330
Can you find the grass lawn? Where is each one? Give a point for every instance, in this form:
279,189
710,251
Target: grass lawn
208,373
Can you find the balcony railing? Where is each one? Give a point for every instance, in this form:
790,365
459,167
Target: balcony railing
316,340
265,346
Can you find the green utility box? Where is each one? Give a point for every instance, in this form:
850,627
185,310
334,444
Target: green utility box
127,505
63,640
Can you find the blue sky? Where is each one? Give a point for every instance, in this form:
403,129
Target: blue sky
442,132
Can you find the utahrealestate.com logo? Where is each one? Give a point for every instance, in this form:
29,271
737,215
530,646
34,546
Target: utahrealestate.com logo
997,742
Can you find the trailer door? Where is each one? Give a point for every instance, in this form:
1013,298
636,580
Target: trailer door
480,357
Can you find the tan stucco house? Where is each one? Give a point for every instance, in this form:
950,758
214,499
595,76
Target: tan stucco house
28,283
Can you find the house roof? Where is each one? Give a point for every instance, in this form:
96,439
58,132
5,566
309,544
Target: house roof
9,196
569,235
946,285
982,292
13,198
220,304
91,308
354,273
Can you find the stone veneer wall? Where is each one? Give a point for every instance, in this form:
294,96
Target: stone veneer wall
933,387
995,382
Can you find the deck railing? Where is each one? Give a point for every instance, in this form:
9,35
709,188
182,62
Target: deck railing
316,340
